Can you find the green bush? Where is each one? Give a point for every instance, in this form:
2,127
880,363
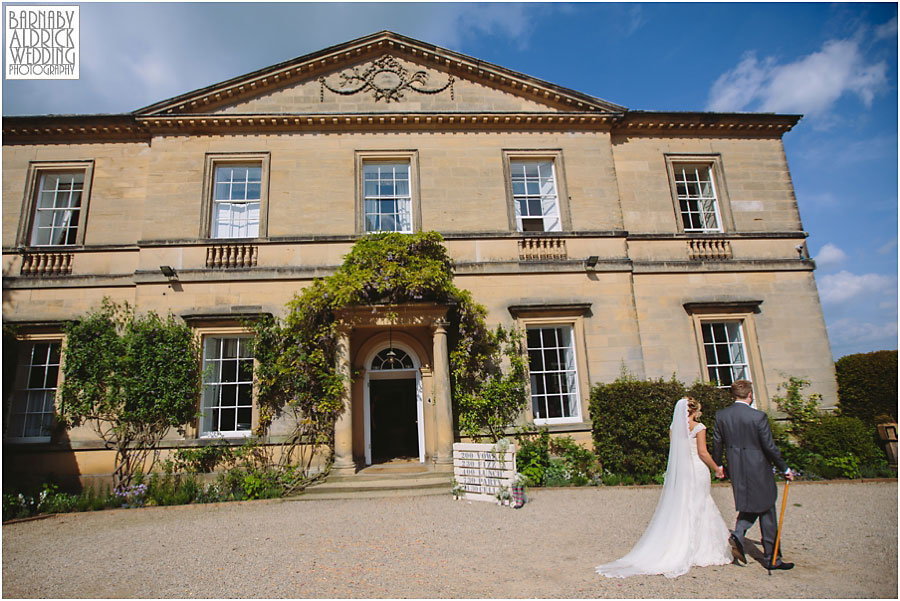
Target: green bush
546,461
631,423
533,456
204,459
867,385
835,436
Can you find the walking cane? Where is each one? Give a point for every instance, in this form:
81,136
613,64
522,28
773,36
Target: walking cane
780,524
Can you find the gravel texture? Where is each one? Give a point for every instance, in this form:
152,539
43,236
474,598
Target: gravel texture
843,537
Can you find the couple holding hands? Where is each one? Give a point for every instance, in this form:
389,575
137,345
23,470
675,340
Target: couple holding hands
687,529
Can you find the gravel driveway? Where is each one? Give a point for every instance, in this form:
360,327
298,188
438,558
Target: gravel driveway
843,537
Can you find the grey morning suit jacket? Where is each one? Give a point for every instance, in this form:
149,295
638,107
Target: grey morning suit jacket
744,434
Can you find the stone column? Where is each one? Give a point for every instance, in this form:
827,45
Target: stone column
343,426
442,404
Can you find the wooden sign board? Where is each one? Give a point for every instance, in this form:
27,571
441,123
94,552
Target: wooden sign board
481,470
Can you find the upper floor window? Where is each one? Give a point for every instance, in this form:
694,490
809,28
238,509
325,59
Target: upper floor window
387,200
535,196
31,409
536,190
699,193
697,198
227,404
237,196
56,203
387,191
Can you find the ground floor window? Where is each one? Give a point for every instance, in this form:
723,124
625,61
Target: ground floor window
726,355
31,410
553,372
227,406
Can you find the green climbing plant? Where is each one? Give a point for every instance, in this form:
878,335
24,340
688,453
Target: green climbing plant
297,373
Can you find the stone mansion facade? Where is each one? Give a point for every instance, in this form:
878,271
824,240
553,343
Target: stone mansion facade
656,242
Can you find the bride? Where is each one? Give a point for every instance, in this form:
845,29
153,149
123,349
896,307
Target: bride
686,529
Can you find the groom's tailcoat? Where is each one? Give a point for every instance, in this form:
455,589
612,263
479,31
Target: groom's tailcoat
744,434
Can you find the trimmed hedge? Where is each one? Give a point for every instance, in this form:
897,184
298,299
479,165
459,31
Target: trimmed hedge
867,385
631,421
835,436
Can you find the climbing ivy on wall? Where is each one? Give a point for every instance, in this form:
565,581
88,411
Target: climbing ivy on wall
296,356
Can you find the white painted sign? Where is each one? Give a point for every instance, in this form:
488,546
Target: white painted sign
482,470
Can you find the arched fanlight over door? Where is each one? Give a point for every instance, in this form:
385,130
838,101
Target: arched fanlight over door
391,358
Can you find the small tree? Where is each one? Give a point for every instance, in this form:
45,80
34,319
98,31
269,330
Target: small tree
131,378
495,402
802,413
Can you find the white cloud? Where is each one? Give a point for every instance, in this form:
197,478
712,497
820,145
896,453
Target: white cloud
850,335
889,247
830,256
810,85
887,30
845,286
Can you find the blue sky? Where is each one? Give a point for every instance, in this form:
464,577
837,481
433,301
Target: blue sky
834,63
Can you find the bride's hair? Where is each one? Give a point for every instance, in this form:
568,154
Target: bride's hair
693,406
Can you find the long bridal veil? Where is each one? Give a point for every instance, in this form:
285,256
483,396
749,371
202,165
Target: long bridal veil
665,547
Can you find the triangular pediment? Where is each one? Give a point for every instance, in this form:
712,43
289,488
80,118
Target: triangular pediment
381,73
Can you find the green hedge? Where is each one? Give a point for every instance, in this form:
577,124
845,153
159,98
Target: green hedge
867,385
631,421
836,436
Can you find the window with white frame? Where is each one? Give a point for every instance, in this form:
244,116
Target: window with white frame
227,404
387,197
696,194
237,190
553,373
31,410
726,355
57,208
534,194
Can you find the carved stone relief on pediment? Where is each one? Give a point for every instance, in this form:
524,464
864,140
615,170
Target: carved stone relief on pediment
385,78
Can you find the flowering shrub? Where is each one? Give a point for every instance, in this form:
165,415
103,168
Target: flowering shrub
132,496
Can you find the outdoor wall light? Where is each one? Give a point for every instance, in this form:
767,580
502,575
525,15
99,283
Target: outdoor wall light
168,272
591,261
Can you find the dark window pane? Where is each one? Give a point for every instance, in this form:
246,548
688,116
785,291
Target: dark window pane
228,395
245,373
551,360
534,338
535,360
228,419
229,371
245,395
243,418
554,406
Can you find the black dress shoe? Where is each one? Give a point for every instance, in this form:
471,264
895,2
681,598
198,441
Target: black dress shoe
737,549
784,565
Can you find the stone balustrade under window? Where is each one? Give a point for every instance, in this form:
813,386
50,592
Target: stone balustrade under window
542,249
232,256
47,263
709,250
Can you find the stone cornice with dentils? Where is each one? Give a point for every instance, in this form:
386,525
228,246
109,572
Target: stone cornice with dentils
53,129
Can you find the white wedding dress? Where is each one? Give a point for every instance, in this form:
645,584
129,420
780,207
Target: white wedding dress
686,529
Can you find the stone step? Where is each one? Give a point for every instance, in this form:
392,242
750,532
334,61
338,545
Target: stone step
383,480
385,483
371,494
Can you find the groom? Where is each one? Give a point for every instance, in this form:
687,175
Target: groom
744,434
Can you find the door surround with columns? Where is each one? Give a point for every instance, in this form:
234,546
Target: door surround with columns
362,333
